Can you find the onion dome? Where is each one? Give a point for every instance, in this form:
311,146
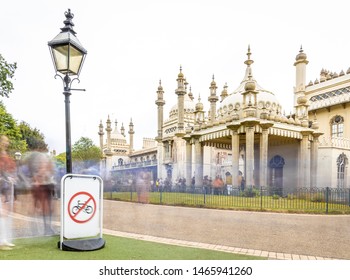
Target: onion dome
116,135
190,94
224,93
301,55
199,105
189,107
291,120
180,75
249,85
266,100
302,100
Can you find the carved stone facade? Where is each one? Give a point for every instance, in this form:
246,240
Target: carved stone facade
244,134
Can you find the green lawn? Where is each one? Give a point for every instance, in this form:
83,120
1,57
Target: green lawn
117,248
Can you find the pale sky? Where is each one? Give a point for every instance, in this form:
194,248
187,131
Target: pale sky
132,44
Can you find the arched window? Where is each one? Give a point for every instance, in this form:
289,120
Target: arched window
120,161
337,126
342,162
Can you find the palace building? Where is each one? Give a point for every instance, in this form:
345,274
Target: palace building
245,135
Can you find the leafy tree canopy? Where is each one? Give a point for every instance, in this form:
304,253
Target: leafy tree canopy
33,137
86,153
7,71
9,127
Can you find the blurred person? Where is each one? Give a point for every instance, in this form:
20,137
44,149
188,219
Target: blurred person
143,184
42,173
7,169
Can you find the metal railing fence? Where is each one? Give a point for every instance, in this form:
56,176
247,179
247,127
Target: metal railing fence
317,200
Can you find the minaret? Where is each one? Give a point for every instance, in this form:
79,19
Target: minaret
249,94
190,94
108,129
131,135
300,100
101,133
122,130
160,103
199,113
180,91
224,93
213,99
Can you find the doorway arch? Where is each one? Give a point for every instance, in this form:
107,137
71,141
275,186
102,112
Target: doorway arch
276,165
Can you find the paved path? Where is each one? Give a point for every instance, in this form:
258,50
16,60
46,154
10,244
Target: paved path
286,236
272,235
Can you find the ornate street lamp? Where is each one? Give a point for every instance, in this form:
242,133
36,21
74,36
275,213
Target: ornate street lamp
68,57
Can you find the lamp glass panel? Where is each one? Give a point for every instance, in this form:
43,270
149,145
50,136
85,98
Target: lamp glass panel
76,58
65,65
60,54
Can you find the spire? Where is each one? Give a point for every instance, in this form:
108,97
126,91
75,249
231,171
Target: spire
190,94
160,92
131,125
180,92
199,113
213,99
108,122
301,56
131,136
100,128
160,85
181,82
224,93
122,130
213,87
249,61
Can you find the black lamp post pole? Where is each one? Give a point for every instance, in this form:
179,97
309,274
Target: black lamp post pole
67,94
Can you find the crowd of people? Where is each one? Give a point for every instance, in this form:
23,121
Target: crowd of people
37,174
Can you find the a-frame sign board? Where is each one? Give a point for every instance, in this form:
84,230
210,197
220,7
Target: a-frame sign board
81,213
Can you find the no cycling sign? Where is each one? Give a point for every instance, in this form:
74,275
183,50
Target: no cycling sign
81,207
81,212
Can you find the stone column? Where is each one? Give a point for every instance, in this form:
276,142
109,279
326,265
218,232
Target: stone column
188,162
198,152
264,143
314,160
249,159
170,150
160,159
235,153
303,173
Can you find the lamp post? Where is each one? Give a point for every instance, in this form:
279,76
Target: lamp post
68,57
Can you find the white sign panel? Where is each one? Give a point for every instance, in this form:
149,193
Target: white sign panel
81,211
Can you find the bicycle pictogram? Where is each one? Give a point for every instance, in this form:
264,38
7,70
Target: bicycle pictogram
82,207
88,209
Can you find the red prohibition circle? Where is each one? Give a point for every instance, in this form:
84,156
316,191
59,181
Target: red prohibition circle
73,216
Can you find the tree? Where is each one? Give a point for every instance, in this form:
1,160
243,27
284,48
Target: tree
86,153
33,137
7,71
61,160
9,127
